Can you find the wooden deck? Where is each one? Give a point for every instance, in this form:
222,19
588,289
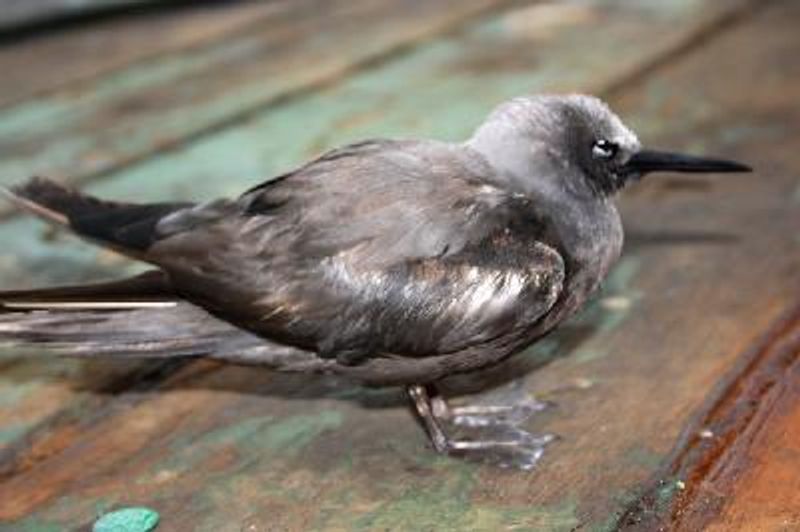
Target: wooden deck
677,391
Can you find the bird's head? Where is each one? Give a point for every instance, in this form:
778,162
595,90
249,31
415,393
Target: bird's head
575,142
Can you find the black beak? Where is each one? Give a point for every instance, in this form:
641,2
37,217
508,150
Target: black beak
660,161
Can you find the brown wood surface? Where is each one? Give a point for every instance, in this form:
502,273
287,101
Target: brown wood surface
49,398
51,394
85,131
33,66
676,391
766,494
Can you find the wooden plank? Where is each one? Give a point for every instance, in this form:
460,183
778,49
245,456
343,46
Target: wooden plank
34,66
29,408
328,48
78,134
444,93
738,459
222,449
767,494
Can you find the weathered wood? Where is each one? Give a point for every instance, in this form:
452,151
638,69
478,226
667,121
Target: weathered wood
271,48
737,462
222,449
438,90
80,133
83,134
34,67
766,494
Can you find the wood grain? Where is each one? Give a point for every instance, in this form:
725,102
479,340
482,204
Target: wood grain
33,67
84,131
438,90
226,448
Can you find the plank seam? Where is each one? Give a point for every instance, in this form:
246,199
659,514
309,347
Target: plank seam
689,42
249,27
450,27
686,43
734,414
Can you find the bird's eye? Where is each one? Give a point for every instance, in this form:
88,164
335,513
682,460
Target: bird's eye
604,149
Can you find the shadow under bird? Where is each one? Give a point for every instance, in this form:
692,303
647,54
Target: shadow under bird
393,262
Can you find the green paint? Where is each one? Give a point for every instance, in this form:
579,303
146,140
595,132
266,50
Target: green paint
11,395
10,433
433,91
449,507
623,274
296,432
667,10
444,94
644,457
185,96
665,494
582,355
127,520
265,433
31,524
618,284
542,351
253,437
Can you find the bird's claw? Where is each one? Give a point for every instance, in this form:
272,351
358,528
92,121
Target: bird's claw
495,436
485,415
518,450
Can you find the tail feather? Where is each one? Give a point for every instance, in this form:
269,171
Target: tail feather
183,330
150,289
127,227
129,312
176,331
140,317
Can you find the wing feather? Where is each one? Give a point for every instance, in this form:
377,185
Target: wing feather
386,248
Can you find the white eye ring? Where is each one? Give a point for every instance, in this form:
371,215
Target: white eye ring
604,149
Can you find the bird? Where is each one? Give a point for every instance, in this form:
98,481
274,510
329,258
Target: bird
392,262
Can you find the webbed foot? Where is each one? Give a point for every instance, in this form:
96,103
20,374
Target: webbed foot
500,441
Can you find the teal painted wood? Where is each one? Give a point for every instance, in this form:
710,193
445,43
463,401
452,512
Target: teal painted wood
83,133
56,60
258,458
440,90
126,116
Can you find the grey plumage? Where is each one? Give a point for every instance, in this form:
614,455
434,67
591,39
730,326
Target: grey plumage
389,261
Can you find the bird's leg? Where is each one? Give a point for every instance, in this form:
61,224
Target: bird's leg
424,407
508,446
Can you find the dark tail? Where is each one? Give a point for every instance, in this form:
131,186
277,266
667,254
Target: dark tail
127,227
150,289
137,316
140,317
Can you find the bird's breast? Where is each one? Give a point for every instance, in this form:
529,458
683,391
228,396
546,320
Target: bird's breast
591,241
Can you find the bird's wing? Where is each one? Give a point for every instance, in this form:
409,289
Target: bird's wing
384,247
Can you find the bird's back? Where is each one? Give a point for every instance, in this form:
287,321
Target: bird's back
371,255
